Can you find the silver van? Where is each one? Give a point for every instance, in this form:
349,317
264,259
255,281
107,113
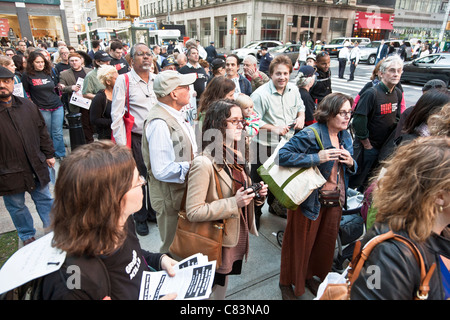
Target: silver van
337,44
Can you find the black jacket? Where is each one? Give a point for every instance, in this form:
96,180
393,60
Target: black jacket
399,272
322,87
24,146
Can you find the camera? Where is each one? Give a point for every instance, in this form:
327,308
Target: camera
256,187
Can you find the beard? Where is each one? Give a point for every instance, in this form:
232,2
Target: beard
4,94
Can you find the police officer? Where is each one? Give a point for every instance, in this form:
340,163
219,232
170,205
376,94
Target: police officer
264,62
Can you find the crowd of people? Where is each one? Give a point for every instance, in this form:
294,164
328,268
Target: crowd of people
163,126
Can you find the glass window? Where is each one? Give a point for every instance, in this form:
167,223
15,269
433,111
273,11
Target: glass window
270,28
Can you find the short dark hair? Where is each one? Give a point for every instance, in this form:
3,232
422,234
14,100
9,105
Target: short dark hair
95,43
115,45
234,56
330,105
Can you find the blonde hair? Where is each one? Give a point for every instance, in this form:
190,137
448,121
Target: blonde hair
439,123
405,195
105,72
5,61
243,101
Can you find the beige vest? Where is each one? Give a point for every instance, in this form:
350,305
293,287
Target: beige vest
165,196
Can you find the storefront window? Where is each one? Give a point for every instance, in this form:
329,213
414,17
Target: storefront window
205,31
270,28
46,27
220,31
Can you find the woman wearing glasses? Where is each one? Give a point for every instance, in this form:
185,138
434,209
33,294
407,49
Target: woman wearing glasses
222,155
310,235
94,225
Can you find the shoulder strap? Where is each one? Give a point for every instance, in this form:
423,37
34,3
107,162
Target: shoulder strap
360,257
127,95
317,137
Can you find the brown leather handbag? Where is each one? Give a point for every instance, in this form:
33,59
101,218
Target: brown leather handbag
204,237
341,291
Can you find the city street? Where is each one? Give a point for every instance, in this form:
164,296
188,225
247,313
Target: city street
362,76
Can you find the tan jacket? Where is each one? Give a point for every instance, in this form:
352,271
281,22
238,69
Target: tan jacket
203,203
67,78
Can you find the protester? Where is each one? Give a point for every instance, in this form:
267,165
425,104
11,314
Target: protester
305,80
141,98
9,64
375,118
415,124
100,110
252,74
310,236
322,87
282,111
95,227
27,153
117,59
311,60
303,53
91,84
232,72
217,68
168,147
68,84
412,199
39,85
194,67
224,158
217,89
169,64
439,123
181,60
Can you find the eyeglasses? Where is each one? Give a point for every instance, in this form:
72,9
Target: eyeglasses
235,122
343,114
142,182
141,54
322,54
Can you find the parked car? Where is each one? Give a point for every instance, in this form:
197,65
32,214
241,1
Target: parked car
253,48
291,50
337,44
369,51
433,66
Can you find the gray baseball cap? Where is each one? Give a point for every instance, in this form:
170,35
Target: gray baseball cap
167,81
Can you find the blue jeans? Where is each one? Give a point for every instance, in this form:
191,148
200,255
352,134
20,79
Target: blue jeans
21,216
54,122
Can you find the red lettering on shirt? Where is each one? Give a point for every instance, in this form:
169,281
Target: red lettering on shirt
386,108
37,82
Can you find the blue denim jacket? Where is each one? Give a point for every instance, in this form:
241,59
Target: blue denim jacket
302,150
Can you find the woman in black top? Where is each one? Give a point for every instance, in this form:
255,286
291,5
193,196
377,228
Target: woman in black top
100,111
40,87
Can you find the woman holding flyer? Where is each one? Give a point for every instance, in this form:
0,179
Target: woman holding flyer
97,190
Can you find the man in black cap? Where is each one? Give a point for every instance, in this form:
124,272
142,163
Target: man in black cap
91,84
27,152
211,52
169,64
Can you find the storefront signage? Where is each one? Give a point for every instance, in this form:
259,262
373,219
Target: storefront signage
4,28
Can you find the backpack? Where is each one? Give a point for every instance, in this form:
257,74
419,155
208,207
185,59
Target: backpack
339,289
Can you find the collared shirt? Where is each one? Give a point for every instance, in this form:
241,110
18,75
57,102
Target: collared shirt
142,98
355,54
344,53
162,153
276,109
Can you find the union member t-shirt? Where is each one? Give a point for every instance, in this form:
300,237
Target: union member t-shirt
41,88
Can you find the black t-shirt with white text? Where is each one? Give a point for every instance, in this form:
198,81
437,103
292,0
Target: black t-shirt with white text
41,88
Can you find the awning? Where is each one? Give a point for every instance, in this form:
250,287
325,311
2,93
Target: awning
377,24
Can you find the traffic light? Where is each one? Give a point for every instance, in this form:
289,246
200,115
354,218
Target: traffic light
234,22
106,8
132,8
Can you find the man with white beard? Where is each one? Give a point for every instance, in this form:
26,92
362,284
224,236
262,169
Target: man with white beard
139,85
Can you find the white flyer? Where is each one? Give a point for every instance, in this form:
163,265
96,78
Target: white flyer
77,98
30,262
193,280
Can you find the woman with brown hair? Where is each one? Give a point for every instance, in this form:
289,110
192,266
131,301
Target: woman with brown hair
310,236
40,87
413,200
224,157
97,191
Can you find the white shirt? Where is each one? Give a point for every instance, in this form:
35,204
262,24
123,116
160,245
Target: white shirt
142,98
355,54
344,53
162,153
303,53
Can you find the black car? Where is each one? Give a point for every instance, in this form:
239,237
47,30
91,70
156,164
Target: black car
433,66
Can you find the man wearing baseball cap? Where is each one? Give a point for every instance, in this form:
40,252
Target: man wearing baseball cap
168,146
91,84
24,144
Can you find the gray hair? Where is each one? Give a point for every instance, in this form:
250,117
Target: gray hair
394,59
303,81
134,48
251,58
